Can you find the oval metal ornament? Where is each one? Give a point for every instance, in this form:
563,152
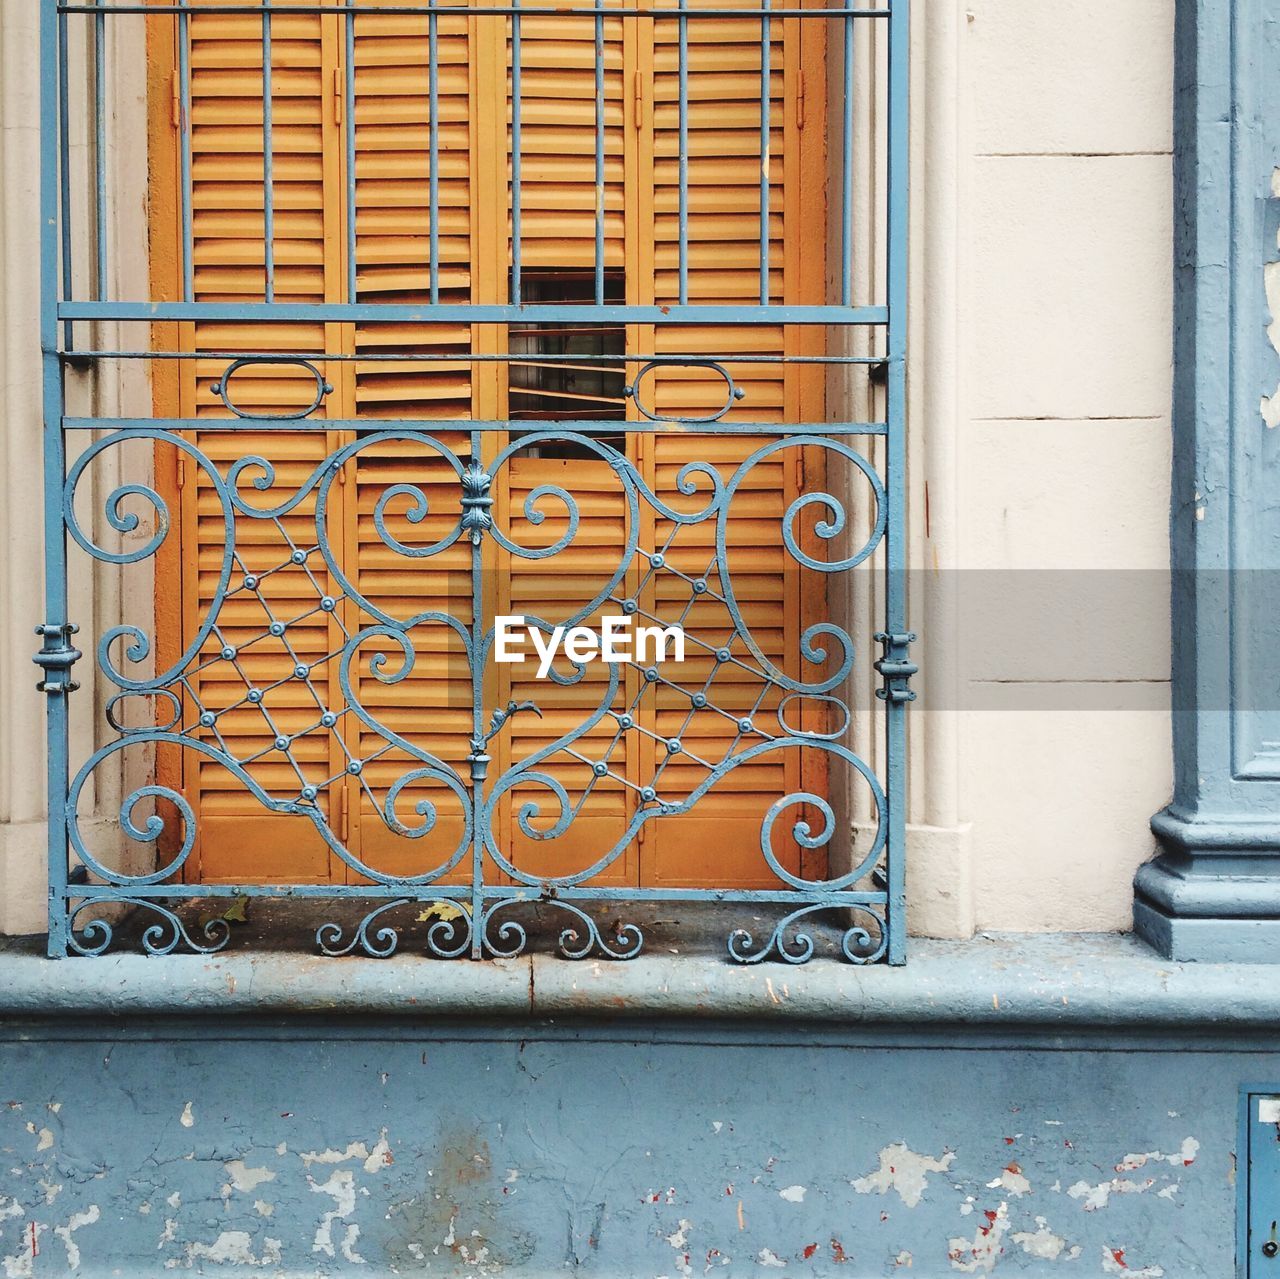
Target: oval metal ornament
222,387
733,391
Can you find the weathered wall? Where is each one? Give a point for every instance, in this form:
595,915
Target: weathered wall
532,1150
1019,1107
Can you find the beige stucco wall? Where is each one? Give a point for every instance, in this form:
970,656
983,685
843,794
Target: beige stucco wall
100,597
1046,197
1039,389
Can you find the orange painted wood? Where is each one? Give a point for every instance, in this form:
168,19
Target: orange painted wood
717,846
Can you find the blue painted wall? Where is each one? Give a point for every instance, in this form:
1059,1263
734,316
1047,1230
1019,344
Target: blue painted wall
312,1148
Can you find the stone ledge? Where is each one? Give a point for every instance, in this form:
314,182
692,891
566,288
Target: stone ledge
1051,982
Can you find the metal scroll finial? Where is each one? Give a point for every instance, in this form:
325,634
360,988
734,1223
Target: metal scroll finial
476,501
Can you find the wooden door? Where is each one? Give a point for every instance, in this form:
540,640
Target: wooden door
718,843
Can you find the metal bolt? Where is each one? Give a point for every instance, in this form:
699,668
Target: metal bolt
1270,1248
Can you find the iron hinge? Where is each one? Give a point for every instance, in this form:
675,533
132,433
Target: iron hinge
800,98
56,658
343,806
896,667
637,99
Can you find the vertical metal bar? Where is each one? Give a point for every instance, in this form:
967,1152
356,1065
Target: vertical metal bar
766,50
100,149
350,91
268,184
896,462
599,159
433,76
684,156
479,748
515,154
184,125
64,154
846,178
55,546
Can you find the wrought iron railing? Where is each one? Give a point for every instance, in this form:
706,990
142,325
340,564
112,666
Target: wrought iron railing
824,853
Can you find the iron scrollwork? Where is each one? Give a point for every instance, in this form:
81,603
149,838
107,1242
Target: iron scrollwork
415,793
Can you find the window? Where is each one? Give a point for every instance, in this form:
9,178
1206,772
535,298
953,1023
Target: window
570,378
493,314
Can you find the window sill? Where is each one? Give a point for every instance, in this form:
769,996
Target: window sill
1057,982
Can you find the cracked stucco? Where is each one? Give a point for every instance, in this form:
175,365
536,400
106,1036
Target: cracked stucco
350,1157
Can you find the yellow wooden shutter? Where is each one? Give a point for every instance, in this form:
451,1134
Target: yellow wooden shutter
718,844
558,224
237,841
432,707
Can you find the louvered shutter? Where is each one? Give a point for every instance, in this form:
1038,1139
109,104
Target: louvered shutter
718,842
558,204
252,706
431,708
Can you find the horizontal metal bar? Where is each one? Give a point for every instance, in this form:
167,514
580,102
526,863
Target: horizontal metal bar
477,357
483,10
364,425
465,313
495,892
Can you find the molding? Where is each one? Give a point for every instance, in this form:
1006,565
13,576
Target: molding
1233,834
1062,983
940,901
1214,892
24,883
1254,942
1199,889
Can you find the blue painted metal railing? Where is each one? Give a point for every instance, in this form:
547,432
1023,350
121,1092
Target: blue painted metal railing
863,893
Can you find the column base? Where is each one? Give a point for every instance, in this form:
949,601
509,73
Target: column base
1213,894
1207,941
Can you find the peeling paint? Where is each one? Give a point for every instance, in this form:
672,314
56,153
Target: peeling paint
1270,407
1099,1196
1185,1157
20,1264
1043,1244
187,1119
341,1188
235,1247
77,1222
1114,1263
356,1150
985,1248
903,1171
679,1240
345,1197
1011,1179
245,1178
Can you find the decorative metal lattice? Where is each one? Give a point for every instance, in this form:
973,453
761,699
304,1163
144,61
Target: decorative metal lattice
453,812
